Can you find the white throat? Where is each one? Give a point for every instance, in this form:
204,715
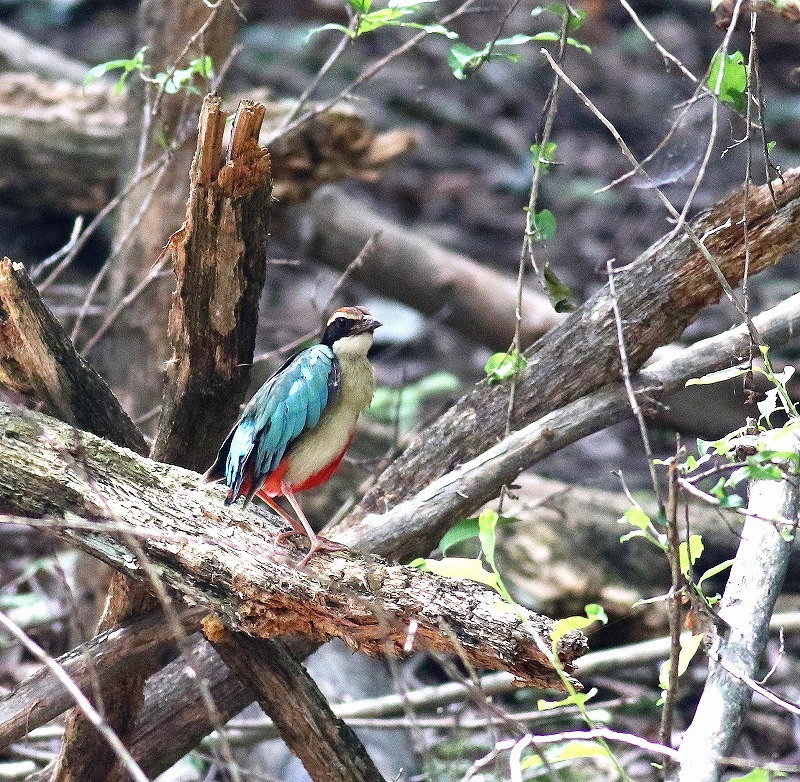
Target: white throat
354,347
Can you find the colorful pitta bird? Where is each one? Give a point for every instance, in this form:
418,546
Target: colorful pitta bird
294,432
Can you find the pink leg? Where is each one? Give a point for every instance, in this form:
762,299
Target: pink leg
300,526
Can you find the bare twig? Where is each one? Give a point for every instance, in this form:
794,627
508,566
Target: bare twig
80,699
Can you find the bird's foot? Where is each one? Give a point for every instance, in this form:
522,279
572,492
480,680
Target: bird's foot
318,543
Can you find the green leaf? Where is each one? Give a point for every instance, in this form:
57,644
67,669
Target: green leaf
559,293
573,750
636,517
689,552
462,567
576,16
594,613
543,158
719,376
360,6
504,366
462,60
515,40
420,563
732,82
465,529
487,524
135,63
756,775
434,29
544,225
771,146
548,35
689,646
330,26
713,571
575,699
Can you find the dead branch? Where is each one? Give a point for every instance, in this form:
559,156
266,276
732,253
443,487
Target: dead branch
38,361
658,295
735,653
227,560
287,693
219,258
458,493
480,301
108,656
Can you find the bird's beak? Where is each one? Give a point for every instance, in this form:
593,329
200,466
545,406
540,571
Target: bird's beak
367,324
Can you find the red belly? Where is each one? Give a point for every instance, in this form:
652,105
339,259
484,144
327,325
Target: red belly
272,485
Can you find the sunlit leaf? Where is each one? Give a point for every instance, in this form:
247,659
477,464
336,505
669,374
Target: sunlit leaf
689,552
487,524
689,646
718,377
575,699
594,613
462,567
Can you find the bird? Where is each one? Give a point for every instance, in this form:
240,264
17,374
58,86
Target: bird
293,434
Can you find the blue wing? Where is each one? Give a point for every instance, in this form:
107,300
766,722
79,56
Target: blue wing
290,402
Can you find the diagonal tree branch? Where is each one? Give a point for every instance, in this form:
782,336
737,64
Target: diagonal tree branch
659,294
38,361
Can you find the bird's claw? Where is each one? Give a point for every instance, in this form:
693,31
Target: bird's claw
318,543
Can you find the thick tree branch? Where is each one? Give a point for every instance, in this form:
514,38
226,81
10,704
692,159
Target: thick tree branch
227,559
426,515
108,656
38,361
658,296
753,586
293,700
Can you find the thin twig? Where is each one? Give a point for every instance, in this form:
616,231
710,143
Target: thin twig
686,227
82,702
368,73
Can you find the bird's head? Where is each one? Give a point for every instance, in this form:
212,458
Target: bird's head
349,330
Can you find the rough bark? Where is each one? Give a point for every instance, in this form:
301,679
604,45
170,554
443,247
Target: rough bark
38,361
60,140
480,302
219,258
227,559
659,294
425,516
302,714
108,656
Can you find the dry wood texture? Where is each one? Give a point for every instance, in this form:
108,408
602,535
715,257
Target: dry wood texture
38,361
227,560
659,294
219,258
